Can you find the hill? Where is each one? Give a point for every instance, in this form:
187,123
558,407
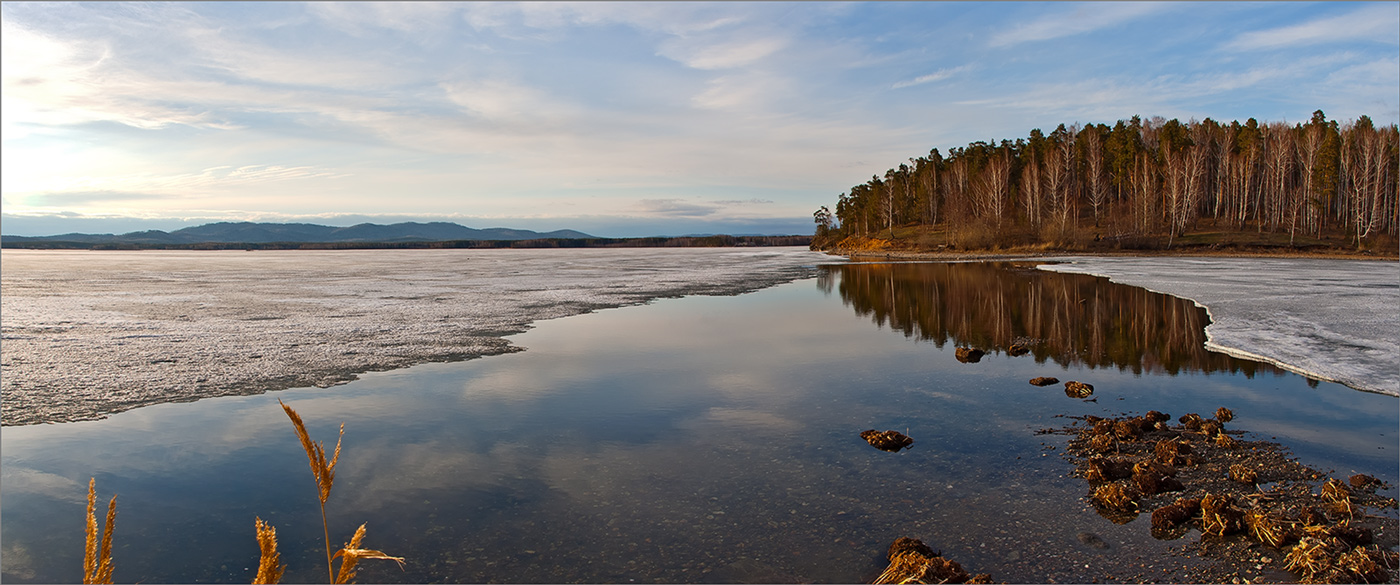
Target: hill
266,233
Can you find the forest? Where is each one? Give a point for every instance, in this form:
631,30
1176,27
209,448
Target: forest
1136,185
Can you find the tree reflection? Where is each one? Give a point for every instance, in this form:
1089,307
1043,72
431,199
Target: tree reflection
1068,318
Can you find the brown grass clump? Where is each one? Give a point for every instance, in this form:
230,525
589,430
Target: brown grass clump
1171,451
1044,381
1191,421
1154,478
1155,417
1268,527
1310,558
911,561
1243,473
1075,389
1224,415
968,355
1126,430
1211,428
1116,497
1017,349
1224,441
1102,443
1370,565
1219,515
1338,497
97,562
1103,469
891,441
1175,513
269,565
1103,427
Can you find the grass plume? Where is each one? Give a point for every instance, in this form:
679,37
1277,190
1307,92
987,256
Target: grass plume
351,554
97,562
269,565
323,472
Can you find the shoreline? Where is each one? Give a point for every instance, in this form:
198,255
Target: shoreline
931,255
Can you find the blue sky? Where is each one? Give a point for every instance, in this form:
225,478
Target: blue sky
623,119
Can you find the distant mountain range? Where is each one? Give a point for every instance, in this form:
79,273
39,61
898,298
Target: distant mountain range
263,233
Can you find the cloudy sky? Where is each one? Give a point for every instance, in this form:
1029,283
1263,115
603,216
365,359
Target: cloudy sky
624,119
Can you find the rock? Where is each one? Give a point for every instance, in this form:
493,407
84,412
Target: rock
1362,480
1093,540
1044,381
891,441
969,355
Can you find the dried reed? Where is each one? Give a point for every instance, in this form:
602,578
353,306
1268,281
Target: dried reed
351,554
269,565
1243,473
1310,558
323,472
1338,497
97,563
1219,515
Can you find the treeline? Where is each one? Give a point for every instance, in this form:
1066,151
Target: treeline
1139,178
716,241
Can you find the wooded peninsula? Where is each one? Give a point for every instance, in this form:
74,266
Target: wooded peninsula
1139,185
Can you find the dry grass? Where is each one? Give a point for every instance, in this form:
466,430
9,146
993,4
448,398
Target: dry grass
324,473
351,554
269,565
97,562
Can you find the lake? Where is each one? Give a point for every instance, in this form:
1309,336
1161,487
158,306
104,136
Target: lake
693,439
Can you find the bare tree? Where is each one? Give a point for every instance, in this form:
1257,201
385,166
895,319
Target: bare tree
1093,160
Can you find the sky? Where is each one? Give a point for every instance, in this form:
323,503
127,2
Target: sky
616,119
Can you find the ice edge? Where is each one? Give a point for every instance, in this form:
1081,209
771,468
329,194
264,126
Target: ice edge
1210,343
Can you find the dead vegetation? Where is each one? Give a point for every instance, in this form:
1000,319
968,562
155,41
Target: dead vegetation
891,441
1197,476
912,561
97,561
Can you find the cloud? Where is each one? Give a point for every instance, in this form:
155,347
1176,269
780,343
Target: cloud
722,54
1083,18
675,208
1375,22
939,75
140,186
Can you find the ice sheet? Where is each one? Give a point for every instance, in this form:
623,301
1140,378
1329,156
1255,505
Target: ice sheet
87,334
1335,320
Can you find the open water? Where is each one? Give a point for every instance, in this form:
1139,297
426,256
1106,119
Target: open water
694,439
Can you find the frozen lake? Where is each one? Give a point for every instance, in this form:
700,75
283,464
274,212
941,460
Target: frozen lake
90,333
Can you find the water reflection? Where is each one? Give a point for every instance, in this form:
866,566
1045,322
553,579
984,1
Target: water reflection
699,439
1072,319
